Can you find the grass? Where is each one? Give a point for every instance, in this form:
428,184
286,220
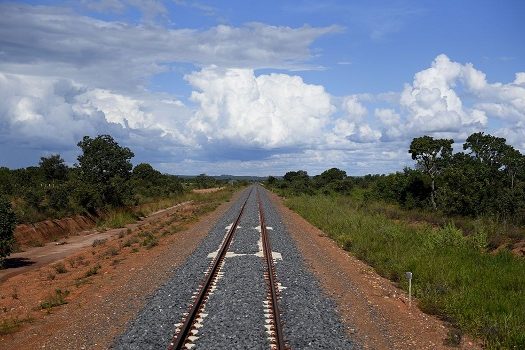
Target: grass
497,232
92,271
117,218
60,267
149,239
12,325
130,241
482,294
53,300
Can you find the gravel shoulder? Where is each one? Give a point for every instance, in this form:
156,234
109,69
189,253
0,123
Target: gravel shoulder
375,312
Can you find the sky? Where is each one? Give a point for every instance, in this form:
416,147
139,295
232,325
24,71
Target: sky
258,87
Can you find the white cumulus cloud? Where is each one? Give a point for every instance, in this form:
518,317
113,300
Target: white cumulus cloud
432,103
54,114
266,111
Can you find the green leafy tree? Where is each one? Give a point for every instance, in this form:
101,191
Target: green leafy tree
6,186
463,187
145,172
205,181
53,168
7,226
106,167
431,156
487,149
514,163
298,182
300,175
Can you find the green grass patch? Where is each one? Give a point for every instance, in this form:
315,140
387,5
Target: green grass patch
482,294
53,300
117,218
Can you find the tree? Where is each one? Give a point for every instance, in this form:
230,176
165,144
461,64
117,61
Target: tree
205,181
298,181
145,172
107,168
6,186
272,180
514,163
299,175
431,156
7,226
53,168
486,149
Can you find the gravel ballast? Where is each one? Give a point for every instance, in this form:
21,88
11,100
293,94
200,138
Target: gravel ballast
235,311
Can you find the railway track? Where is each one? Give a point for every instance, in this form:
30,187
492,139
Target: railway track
226,295
187,331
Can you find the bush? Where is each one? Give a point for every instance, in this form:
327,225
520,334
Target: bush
57,299
7,226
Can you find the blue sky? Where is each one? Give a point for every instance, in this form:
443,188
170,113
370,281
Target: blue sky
258,88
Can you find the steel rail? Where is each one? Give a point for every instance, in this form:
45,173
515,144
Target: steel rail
179,339
267,249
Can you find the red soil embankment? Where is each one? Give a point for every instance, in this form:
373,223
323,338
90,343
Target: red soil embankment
45,231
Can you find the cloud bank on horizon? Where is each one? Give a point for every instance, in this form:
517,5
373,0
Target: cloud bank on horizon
219,97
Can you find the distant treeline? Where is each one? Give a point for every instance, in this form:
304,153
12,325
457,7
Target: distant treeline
487,179
104,178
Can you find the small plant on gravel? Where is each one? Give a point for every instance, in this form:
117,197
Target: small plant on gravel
76,261
60,267
116,262
121,234
93,271
112,251
150,241
81,281
98,242
57,299
130,242
14,294
134,250
453,338
143,234
12,325
36,243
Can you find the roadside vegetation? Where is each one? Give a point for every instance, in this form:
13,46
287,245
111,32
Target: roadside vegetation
452,221
104,185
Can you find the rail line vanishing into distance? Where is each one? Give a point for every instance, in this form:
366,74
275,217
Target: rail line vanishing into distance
187,331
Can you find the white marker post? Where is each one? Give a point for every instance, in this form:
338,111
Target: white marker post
409,277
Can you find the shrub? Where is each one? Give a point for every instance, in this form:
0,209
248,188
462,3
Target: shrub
93,271
60,268
98,242
150,240
7,226
56,299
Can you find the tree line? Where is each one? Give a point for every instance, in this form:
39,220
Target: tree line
487,178
103,178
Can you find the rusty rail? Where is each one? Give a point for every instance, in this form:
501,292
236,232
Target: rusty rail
272,284
180,338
